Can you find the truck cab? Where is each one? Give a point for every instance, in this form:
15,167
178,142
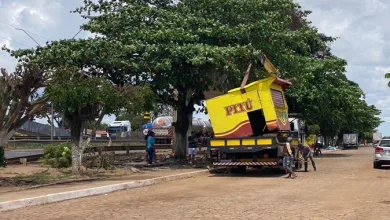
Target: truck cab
350,141
119,129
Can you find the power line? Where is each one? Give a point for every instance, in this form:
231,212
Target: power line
19,29
25,31
77,33
14,41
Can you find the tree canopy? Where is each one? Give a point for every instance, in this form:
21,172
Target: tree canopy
192,46
189,45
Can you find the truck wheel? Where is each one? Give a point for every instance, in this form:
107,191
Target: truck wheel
240,169
377,166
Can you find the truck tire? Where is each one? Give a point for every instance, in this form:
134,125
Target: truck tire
240,169
377,166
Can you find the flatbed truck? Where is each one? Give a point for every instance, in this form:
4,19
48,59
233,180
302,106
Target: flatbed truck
250,123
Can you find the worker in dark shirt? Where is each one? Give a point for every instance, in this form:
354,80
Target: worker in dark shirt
307,154
317,148
192,147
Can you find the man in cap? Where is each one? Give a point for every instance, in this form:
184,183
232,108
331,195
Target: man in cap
288,160
307,154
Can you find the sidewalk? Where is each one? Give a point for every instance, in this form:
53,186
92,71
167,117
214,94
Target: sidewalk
30,193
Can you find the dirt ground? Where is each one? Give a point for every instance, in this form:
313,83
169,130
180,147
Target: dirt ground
17,177
14,170
345,186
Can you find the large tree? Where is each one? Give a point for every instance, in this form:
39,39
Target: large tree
188,45
20,99
82,98
192,46
84,85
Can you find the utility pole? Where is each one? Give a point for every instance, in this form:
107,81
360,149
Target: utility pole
51,121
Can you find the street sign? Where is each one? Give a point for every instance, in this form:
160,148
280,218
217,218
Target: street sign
145,131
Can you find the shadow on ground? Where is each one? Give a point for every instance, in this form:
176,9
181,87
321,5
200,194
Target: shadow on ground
252,173
332,156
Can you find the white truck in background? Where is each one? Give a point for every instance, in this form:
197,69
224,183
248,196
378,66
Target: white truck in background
376,137
350,141
123,128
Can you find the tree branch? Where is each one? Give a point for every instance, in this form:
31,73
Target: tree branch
34,108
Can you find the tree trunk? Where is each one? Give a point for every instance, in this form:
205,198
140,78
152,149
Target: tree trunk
184,118
77,149
76,157
5,136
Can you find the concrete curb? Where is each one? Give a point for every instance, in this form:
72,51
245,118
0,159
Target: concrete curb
58,197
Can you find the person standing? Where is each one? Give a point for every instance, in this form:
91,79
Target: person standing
192,147
307,154
317,148
199,141
150,145
288,161
146,146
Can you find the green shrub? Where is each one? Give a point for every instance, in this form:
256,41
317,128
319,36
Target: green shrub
3,161
63,162
57,156
53,162
105,161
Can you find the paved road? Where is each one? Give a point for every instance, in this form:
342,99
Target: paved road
345,186
22,153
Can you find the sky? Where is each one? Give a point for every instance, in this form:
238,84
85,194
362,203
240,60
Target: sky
360,25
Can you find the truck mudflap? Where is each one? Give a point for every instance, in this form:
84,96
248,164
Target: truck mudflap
245,163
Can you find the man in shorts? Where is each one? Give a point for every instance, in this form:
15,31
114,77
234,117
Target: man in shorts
192,147
288,161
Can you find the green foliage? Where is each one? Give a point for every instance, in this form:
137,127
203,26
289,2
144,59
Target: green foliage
74,91
93,124
190,45
3,161
387,76
57,156
315,129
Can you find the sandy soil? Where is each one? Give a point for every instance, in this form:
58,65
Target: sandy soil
345,186
14,170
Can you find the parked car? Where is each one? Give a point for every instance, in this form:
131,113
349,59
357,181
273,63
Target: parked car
382,153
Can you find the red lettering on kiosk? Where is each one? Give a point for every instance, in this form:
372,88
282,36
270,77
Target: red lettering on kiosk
239,107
